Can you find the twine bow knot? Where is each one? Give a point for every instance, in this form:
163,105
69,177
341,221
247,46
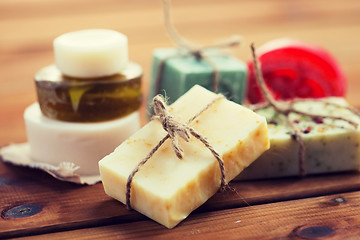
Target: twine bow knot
174,128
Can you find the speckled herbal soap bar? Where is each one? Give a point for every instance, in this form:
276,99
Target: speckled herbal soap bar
167,189
180,73
330,145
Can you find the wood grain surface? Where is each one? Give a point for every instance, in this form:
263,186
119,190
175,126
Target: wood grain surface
326,217
33,205
66,206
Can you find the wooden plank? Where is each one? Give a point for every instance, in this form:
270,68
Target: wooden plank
326,217
63,205
200,22
28,30
66,206
194,10
242,17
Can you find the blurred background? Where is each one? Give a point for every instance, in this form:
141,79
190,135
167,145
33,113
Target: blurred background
28,27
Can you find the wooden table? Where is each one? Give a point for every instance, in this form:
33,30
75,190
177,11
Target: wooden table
33,205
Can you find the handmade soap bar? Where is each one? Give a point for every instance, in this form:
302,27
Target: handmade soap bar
167,189
330,145
83,144
78,100
180,73
91,53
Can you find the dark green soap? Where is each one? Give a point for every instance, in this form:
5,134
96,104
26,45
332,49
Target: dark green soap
88,100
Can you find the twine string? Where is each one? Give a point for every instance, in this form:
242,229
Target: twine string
283,108
287,108
187,47
175,130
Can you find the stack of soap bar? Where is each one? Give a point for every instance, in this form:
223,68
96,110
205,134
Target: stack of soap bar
167,189
180,73
330,145
92,79
88,101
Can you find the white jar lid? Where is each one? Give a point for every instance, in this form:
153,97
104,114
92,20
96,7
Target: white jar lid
91,53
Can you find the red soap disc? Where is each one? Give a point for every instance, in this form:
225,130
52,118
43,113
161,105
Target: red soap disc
294,69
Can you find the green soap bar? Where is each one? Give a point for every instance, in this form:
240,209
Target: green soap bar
330,145
88,100
180,73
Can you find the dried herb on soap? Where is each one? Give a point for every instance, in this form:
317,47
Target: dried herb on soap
175,130
289,107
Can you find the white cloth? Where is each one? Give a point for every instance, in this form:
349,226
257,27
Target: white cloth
19,154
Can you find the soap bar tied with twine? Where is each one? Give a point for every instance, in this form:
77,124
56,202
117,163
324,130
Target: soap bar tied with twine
175,130
187,48
288,107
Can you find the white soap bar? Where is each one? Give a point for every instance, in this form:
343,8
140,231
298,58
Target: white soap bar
167,189
91,53
330,146
84,144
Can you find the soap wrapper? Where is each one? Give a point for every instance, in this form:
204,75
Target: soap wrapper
19,154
